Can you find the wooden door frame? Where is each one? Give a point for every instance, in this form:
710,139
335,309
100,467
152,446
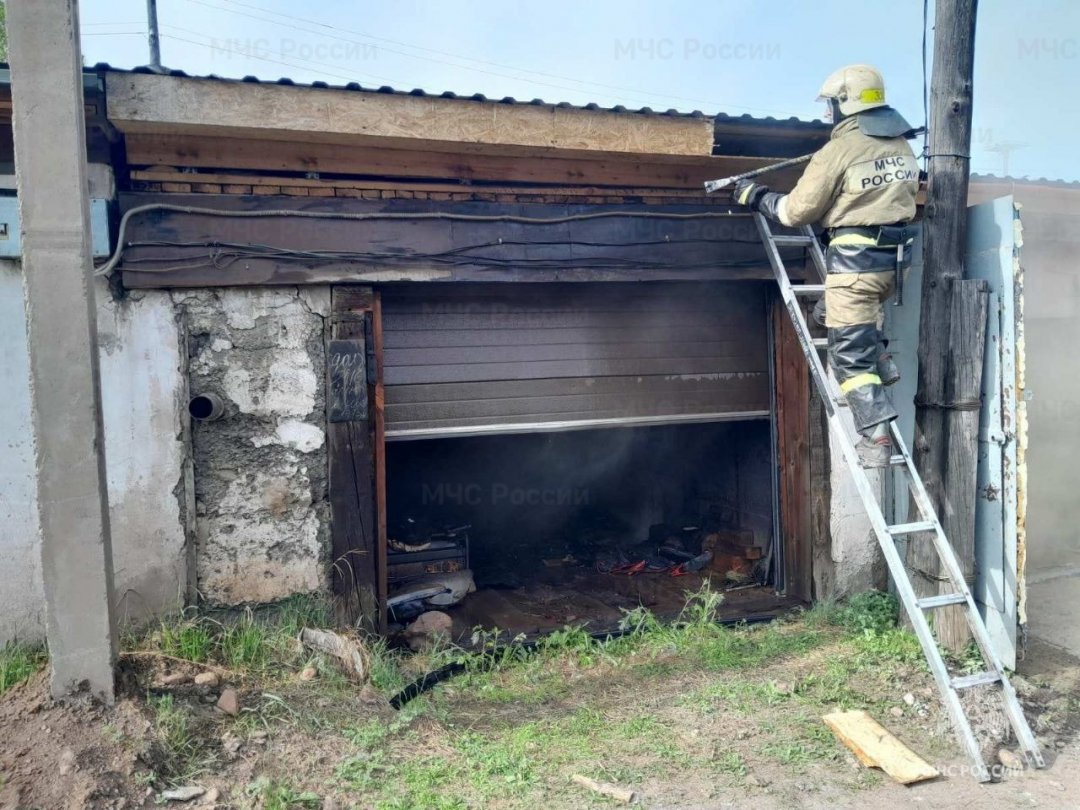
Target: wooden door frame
792,381
356,471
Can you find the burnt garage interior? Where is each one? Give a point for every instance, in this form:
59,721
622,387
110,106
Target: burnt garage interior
581,449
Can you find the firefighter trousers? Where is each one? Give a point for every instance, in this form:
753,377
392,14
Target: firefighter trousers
852,314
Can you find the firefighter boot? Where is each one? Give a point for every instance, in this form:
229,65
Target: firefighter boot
875,449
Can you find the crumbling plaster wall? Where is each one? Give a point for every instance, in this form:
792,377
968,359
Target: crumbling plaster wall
260,472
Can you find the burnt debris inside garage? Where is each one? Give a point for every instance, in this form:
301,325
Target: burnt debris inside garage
576,527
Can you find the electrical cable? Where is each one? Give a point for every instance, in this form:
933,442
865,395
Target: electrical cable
342,77
292,26
925,96
216,45
114,259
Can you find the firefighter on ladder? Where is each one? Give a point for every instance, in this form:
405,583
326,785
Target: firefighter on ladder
861,188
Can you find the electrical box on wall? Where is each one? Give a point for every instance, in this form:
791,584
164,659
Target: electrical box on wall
11,231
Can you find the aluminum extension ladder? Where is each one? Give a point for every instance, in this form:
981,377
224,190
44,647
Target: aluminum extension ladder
916,607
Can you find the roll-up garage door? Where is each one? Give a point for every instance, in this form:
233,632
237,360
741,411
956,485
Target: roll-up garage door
512,358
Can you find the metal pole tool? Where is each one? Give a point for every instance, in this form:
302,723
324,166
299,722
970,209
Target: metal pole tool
725,182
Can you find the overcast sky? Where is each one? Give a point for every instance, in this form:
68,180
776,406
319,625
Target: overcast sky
763,57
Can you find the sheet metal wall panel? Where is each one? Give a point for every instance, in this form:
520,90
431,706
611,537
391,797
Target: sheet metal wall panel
472,355
993,255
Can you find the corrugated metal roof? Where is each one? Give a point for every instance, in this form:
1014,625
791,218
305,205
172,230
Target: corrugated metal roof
1027,181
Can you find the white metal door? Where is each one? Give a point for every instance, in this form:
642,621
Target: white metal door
993,254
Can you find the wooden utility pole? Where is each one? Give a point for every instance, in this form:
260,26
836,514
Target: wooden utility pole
950,354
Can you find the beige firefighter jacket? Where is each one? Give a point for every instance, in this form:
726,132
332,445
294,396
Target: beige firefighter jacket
854,179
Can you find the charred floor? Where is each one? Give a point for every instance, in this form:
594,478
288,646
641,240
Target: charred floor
579,527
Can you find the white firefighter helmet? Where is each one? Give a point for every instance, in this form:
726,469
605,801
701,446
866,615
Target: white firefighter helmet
854,88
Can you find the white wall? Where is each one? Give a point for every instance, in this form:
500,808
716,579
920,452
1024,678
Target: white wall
143,402
144,408
22,608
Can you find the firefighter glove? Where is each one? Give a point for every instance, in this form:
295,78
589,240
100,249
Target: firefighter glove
749,193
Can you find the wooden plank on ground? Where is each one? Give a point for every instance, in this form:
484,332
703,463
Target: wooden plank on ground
876,747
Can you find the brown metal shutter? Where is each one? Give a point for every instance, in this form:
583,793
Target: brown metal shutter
505,358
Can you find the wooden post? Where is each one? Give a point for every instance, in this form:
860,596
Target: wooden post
354,577
960,407
793,432
944,244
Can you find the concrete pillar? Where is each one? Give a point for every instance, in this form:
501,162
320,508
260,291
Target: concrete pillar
50,172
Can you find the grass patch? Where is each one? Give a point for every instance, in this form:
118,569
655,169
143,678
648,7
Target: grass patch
246,644
18,662
189,639
662,701
183,753
259,642
275,795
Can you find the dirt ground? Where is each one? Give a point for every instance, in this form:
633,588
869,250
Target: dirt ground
681,738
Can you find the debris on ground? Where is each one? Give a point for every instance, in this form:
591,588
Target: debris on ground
429,629
457,585
347,651
619,794
878,748
229,702
1010,760
182,794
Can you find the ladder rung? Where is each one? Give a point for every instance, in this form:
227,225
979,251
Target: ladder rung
911,528
929,602
808,289
791,239
978,679
821,343
897,461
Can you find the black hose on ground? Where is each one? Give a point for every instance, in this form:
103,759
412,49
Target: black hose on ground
448,671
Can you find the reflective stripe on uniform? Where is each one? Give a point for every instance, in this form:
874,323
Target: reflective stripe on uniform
853,239
858,381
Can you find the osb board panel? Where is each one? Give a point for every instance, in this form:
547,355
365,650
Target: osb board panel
138,100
